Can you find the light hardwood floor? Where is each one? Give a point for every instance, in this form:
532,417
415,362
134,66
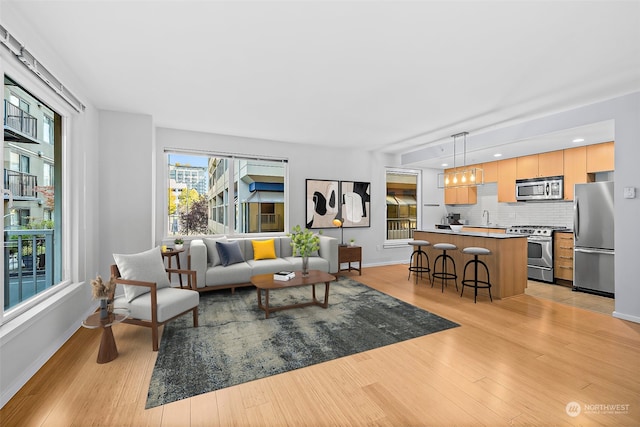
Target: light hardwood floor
517,361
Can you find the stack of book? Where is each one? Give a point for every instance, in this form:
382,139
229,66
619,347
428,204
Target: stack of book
284,275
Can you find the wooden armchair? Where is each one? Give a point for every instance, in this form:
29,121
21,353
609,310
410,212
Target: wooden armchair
159,304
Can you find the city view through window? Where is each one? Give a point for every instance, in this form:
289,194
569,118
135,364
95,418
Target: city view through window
31,196
205,192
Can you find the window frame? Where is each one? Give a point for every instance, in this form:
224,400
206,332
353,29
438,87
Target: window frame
226,204
66,268
393,243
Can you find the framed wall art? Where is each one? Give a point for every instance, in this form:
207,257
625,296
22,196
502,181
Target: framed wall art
322,198
355,203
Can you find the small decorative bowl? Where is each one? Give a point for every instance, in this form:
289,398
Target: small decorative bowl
456,228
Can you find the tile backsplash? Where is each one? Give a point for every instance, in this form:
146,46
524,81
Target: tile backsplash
557,213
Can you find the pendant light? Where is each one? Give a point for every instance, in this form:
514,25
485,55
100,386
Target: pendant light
465,177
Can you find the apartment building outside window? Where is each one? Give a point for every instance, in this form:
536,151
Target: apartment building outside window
31,227
241,196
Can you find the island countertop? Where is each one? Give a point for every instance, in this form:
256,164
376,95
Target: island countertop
507,262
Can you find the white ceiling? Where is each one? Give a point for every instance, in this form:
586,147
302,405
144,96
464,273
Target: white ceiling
384,75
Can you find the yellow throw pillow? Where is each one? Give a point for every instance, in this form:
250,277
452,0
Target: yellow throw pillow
264,249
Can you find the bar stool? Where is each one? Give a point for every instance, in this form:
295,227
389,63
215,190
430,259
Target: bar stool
419,268
475,282
443,274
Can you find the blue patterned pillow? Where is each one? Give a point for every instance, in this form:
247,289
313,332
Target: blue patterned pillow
229,252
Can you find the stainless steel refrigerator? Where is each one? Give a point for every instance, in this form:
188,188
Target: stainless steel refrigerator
593,257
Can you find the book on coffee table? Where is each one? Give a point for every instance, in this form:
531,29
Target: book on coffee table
284,275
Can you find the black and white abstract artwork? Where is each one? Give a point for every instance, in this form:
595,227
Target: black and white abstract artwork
322,203
355,203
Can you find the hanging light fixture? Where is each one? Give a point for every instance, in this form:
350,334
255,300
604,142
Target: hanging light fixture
461,178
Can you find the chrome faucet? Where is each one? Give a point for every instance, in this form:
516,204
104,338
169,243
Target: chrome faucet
483,213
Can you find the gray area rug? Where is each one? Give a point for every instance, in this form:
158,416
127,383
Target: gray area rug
235,343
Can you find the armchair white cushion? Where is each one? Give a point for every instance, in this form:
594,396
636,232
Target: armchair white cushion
151,301
146,266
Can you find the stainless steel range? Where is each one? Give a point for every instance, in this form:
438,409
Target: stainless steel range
539,249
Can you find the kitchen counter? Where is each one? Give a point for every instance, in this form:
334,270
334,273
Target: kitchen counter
501,227
489,234
507,262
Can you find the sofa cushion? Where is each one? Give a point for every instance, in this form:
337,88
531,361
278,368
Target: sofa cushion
145,266
264,249
265,266
229,252
235,273
213,258
315,263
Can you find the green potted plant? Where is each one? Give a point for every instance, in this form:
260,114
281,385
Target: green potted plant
178,243
352,242
304,243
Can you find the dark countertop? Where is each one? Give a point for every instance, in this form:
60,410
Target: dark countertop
501,227
477,233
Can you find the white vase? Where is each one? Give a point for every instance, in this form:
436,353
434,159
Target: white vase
177,247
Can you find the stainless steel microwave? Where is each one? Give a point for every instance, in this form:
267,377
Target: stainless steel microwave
550,188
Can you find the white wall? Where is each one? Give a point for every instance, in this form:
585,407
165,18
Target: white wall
304,162
29,340
127,189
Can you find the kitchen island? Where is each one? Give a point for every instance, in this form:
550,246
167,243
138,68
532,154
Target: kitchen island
507,262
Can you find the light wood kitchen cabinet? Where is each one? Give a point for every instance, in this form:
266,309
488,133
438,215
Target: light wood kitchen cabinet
600,157
551,163
527,167
507,180
563,255
540,165
490,171
575,169
460,195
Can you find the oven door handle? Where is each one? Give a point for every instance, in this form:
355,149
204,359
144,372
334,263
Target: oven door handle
537,267
539,239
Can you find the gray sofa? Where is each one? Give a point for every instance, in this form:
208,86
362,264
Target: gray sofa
210,274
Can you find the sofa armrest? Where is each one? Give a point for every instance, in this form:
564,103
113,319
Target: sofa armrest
198,260
329,251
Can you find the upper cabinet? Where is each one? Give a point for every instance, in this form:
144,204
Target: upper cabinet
540,165
600,157
575,169
507,180
490,171
578,165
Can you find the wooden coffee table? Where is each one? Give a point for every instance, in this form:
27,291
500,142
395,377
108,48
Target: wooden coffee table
266,283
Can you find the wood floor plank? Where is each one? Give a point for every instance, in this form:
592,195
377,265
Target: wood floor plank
515,361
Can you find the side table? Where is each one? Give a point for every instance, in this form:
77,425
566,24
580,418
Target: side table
108,350
349,254
169,253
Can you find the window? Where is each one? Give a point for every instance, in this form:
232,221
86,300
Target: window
221,195
47,129
403,203
31,230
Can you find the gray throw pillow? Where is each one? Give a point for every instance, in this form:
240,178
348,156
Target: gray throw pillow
230,253
145,266
213,257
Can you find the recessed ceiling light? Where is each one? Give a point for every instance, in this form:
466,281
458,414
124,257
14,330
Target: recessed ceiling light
497,155
578,140
445,164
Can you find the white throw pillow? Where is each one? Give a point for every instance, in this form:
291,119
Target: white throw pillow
146,266
213,257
